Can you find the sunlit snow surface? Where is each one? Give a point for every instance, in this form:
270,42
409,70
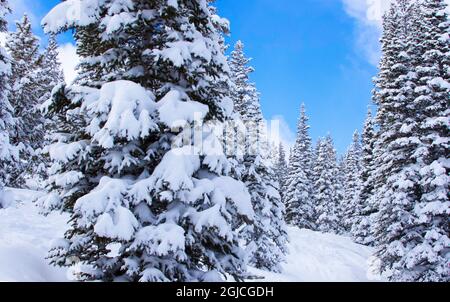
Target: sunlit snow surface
25,237
317,257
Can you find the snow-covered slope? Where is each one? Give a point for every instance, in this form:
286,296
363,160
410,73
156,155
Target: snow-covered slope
317,257
25,237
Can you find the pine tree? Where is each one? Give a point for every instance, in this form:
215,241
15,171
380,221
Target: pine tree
23,47
427,258
49,75
281,169
8,153
326,188
244,92
365,210
299,184
50,71
411,226
125,163
396,189
351,182
274,150
267,236
342,211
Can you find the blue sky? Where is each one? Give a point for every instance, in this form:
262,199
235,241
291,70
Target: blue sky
304,51
320,52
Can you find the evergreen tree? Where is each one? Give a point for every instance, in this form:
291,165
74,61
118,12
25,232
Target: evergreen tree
8,152
23,47
351,182
274,150
411,226
364,211
338,188
126,163
50,71
267,236
326,188
49,75
429,260
244,92
299,184
396,189
281,169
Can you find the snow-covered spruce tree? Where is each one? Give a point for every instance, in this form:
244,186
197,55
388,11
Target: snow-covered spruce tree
326,193
49,74
50,71
23,47
273,154
379,96
8,153
351,183
426,256
266,237
281,169
411,226
363,220
244,93
147,203
396,185
430,257
338,188
299,184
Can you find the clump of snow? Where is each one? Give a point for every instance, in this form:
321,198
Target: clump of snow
161,239
231,189
173,3
68,178
64,153
440,83
175,110
117,21
125,109
48,202
108,196
71,13
120,225
180,52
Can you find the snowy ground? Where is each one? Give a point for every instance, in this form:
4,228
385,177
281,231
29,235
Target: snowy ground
317,257
25,237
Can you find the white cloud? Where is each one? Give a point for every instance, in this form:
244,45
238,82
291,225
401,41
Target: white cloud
368,14
69,61
281,132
